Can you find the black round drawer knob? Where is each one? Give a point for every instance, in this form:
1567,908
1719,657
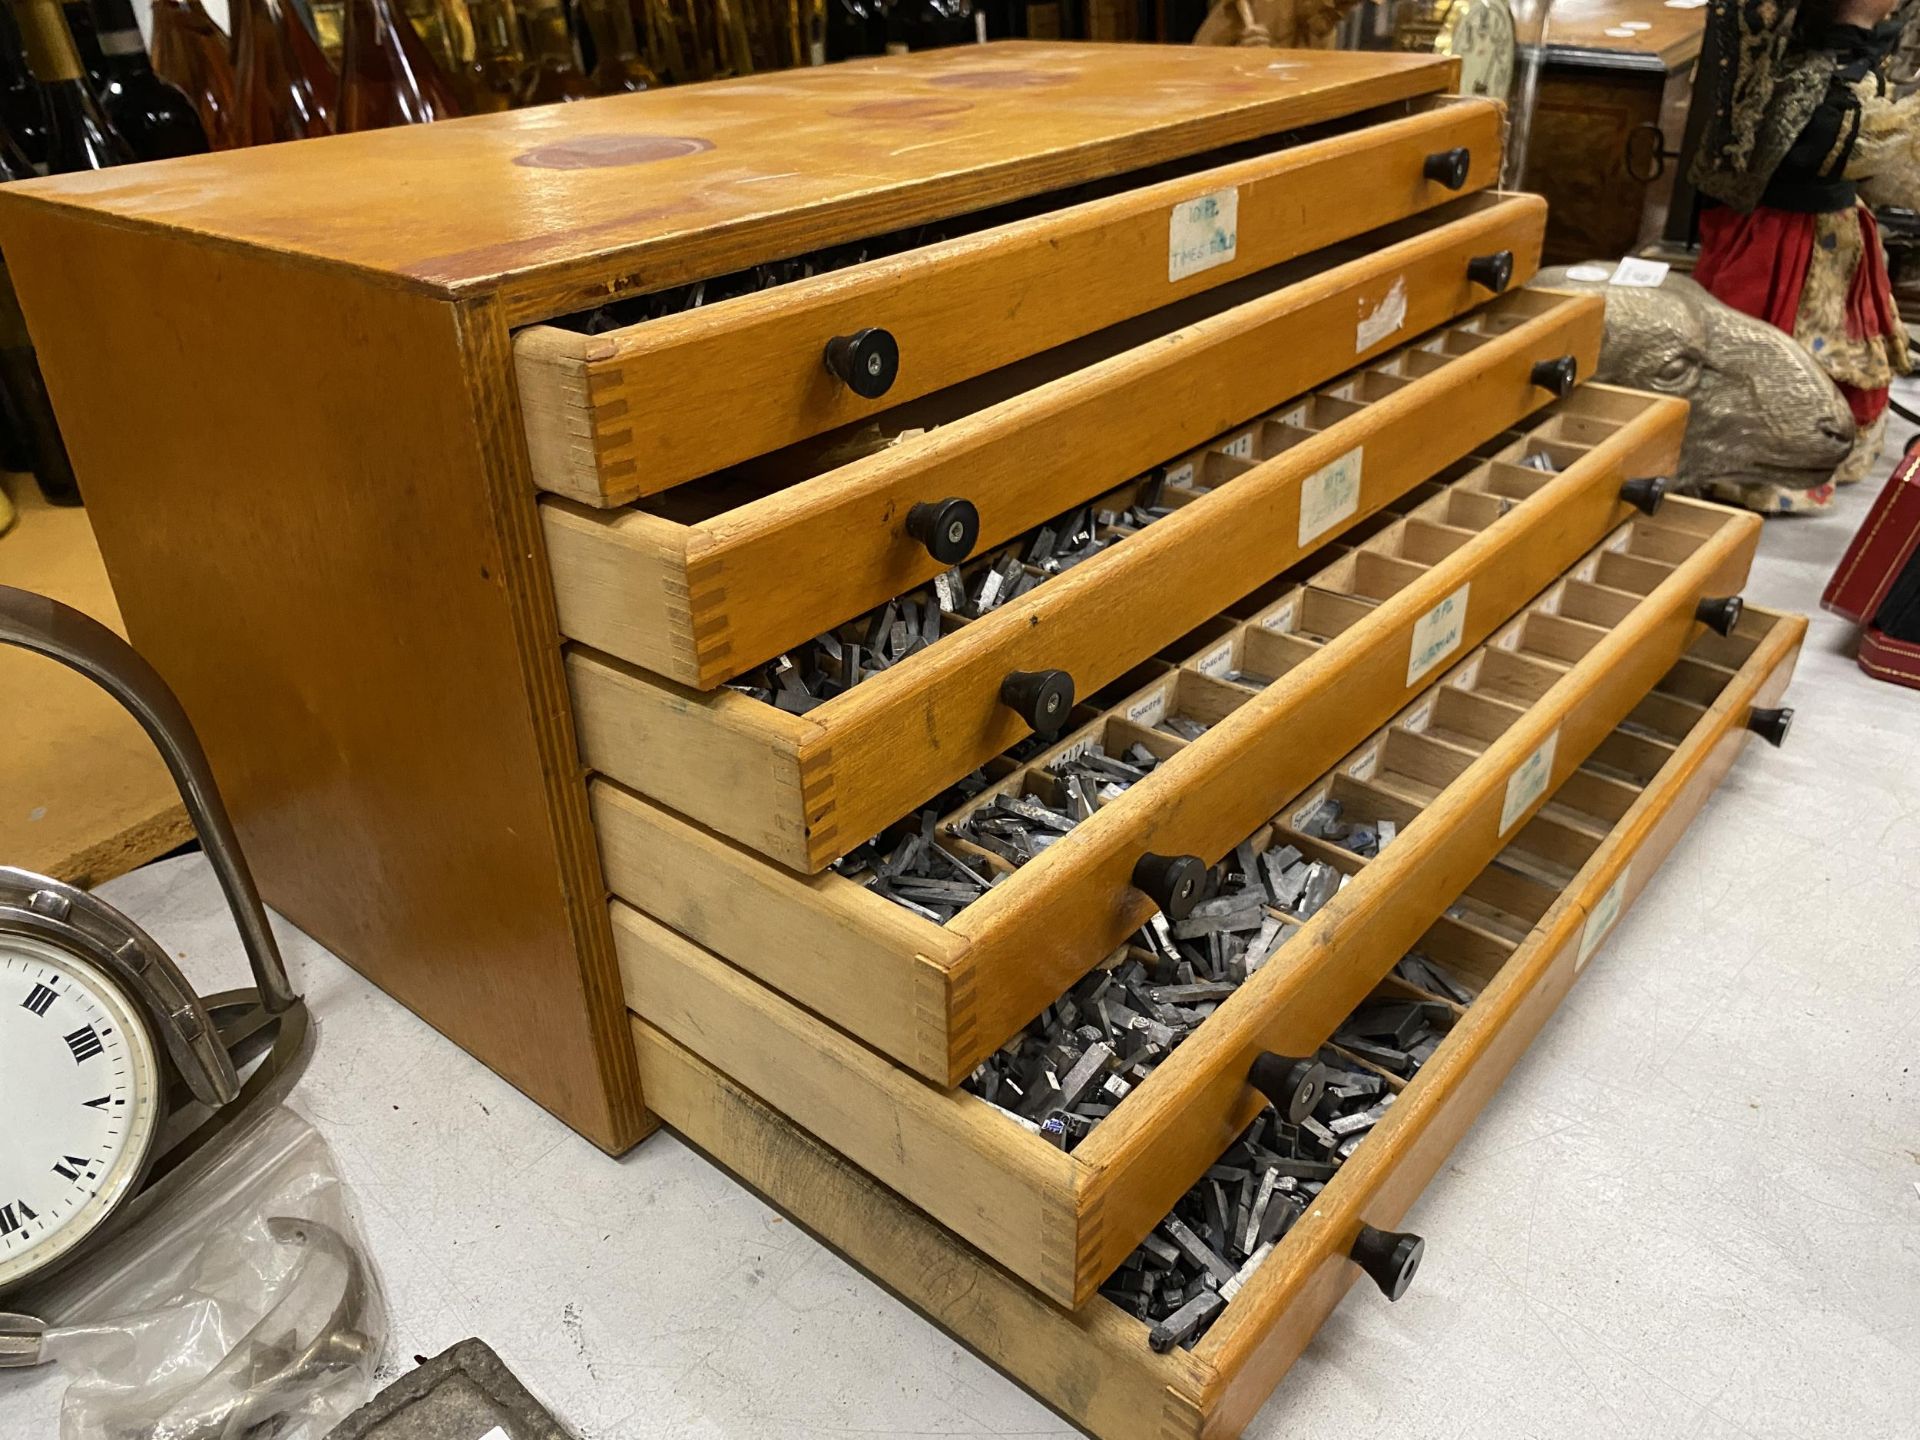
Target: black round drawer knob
1448,167
1493,272
1556,376
866,362
1042,698
1292,1084
1645,494
947,528
1390,1256
1173,882
1720,614
1770,725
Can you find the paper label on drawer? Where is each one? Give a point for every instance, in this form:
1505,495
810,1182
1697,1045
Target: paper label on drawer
1217,661
1307,811
1280,621
1549,604
1366,763
1240,447
1382,320
1509,641
1329,495
1149,709
1202,233
1528,783
1420,717
1296,417
1469,673
1181,474
1436,634
1589,568
1602,918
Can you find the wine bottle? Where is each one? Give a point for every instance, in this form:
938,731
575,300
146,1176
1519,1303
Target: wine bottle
856,27
387,74
79,135
23,110
617,66
929,25
492,81
274,101
444,25
190,53
156,119
554,74
303,44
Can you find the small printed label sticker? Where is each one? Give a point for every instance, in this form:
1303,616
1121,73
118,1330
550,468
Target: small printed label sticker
1601,920
1281,620
1329,495
1509,641
1549,604
1366,763
1528,783
1202,233
1589,568
1306,812
1078,748
1149,709
1240,447
1639,274
1217,661
1469,672
1436,634
1420,716
1383,319
1297,416
1181,474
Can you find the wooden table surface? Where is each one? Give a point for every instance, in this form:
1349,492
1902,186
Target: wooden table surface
1671,39
83,794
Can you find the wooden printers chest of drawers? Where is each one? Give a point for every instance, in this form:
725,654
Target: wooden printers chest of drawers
711,499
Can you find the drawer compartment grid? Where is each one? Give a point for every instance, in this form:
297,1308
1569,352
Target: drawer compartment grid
1065,1220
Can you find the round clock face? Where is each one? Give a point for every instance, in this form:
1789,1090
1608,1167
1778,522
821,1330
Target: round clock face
82,1085
1480,34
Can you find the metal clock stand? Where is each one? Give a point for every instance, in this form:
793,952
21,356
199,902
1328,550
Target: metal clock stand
201,1046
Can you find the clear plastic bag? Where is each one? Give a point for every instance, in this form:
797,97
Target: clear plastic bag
245,1300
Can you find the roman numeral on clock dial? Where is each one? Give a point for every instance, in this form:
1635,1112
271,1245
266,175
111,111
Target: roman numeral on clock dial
71,1166
85,1043
13,1216
40,998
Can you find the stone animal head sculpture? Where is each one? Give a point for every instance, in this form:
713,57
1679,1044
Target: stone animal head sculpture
1767,423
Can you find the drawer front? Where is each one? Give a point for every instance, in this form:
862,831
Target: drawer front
872,753
1065,1218
937,998
632,412
1093,1365
699,593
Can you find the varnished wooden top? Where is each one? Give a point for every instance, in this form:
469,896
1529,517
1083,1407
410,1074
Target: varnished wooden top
550,204
1577,30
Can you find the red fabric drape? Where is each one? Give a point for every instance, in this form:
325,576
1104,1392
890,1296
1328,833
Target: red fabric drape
1757,261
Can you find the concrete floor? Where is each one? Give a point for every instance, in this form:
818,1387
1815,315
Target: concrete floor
1692,1212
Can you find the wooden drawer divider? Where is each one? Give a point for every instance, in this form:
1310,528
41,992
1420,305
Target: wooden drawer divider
1065,1219
939,998
1215,1388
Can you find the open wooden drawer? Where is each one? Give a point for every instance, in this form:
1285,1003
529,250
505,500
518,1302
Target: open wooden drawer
703,582
613,416
1094,1365
804,788
1313,668
1064,1217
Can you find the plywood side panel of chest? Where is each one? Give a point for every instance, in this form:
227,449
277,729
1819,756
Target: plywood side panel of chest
311,499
